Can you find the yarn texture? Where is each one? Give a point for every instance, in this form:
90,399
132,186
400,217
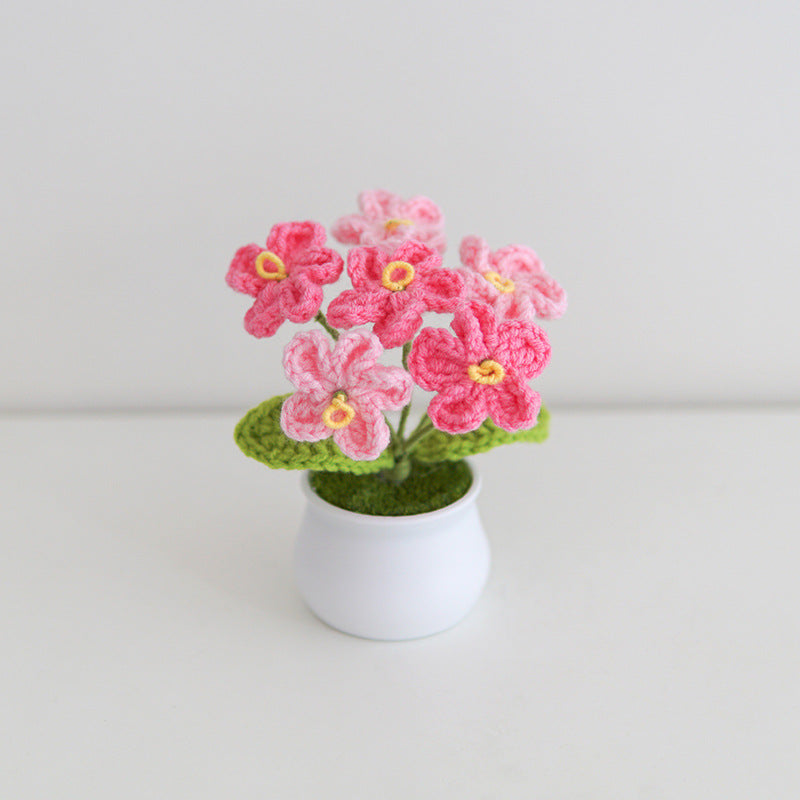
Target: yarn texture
286,277
386,221
259,436
342,393
393,290
512,280
482,371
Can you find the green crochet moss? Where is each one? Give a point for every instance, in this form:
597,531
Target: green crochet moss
428,487
440,446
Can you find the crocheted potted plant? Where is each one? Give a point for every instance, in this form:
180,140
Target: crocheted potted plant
391,545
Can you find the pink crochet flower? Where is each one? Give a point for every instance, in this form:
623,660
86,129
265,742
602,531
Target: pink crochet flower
341,393
512,280
482,371
286,277
392,290
387,220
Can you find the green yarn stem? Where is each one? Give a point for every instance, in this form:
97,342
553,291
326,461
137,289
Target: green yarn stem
324,322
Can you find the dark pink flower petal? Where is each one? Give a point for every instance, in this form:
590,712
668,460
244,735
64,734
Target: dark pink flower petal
367,436
353,307
437,360
299,299
475,323
443,289
512,404
522,348
365,266
242,274
419,255
265,316
301,417
459,409
400,320
307,363
289,240
321,265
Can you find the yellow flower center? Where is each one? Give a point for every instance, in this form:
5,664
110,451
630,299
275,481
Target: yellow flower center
338,414
391,225
397,275
504,285
487,372
277,274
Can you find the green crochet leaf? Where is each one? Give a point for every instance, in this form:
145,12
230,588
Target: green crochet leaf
440,446
259,436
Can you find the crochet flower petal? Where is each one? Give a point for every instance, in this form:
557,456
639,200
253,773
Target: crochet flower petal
459,409
378,204
474,253
308,365
367,435
422,210
356,308
512,404
321,265
242,274
299,298
443,289
401,319
265,316
355,353
349,229
515,259
475,323
290,239
549,299
365,266
522,347
301,418
418,254
437,360
385,387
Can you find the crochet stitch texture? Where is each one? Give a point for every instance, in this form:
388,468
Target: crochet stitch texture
386,221
342,393
286,277
393,289
512,280
482,371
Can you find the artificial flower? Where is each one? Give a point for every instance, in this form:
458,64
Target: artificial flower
286,277
386,220
342,393
481,371
511,279
394,289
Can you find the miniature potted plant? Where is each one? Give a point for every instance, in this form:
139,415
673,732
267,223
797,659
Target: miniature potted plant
391,545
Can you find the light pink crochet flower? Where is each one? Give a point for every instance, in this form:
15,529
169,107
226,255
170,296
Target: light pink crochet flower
393,290
482,371
387,220
512,279
286,277
341,393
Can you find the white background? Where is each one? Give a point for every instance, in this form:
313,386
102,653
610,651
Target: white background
647,151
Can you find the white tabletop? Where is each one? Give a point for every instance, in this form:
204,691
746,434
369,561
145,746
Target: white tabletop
639,636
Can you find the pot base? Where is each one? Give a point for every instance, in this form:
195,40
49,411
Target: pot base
391,578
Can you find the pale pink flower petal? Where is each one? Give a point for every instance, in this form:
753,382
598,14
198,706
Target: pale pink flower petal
366,437
301,418
307,363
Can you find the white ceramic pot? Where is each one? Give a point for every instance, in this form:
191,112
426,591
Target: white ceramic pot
391,577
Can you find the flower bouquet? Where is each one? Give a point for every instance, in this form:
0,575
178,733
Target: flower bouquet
335,423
